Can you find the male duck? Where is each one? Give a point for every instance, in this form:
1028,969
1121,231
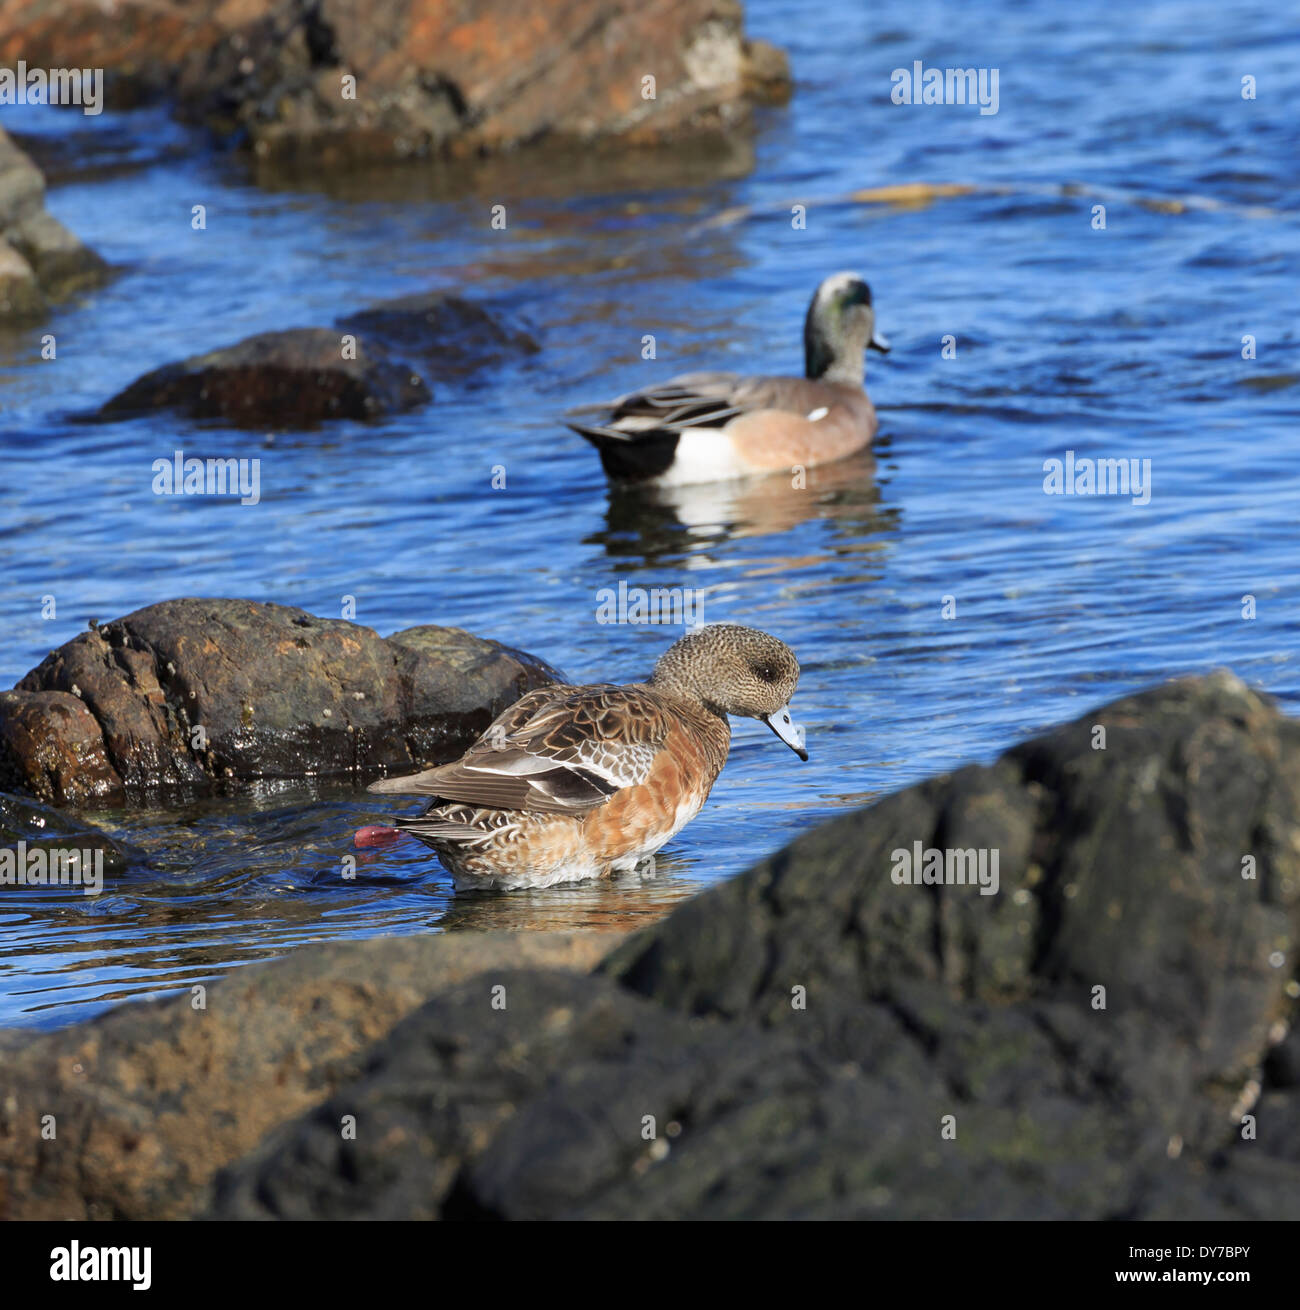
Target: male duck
709,427
579,782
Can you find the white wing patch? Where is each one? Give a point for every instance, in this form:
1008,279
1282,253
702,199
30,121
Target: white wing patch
514,765
624,764
818,413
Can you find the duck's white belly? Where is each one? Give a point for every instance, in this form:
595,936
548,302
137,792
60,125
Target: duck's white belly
573,871
703,455
579,868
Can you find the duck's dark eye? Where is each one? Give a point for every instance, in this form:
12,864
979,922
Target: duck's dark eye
766,672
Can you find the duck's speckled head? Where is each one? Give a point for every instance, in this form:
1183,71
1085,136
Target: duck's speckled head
735,670
839,329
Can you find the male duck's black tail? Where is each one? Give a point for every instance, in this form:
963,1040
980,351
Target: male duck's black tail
630,456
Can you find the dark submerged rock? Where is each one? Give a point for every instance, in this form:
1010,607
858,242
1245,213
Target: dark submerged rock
115,713
305,376
22,820
450,337
292,379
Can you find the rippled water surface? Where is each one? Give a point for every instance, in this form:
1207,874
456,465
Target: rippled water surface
1122,342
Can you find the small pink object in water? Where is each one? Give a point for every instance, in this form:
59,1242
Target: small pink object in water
376,834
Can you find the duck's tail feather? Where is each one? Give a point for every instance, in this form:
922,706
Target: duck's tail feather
443,830
635,456
597,434
408,784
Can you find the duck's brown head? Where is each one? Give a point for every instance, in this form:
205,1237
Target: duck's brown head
732,669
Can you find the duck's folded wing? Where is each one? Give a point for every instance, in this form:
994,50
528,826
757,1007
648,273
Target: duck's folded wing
571,752
508,722
692,400
696,400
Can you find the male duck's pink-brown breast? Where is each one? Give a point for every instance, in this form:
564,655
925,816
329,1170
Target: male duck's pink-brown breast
773,439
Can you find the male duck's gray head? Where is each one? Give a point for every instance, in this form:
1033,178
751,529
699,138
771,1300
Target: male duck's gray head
839,329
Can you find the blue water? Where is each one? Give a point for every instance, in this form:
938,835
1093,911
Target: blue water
1122,342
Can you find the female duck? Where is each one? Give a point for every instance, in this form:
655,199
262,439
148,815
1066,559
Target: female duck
580,782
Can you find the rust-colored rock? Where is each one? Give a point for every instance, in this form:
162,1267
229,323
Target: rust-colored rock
431,76
189,693
137,42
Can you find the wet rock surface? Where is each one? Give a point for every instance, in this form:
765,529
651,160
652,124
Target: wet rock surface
52,746
428,77
800,1034
189,693
292,379
815,1038
40,260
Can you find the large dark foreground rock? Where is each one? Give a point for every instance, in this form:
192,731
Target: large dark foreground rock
151,1099
432,77
801,1037
188,693
39,258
